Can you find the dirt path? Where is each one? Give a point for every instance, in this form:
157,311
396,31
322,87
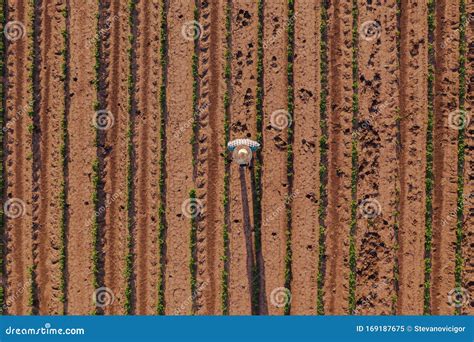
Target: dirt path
468,255
210,179
378,166
339,158
147,147
50,172
243,125
445,156
115,154
413,125
179,168
274,152
305,226
82,154
18,165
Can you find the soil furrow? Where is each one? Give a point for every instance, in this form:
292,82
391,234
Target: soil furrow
339,158
50,173
305,225
468,241
445,136
210,178
146,147
18,166
276,120
242,125
82,153
413,125
377,189
115,157
179,166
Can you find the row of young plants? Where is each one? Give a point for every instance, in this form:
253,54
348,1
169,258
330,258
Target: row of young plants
461,145
225,200
160,308
96,163
63,155
194,145
354,157
33,80
323,148
289,153
429,176
131,109
2,115
257,176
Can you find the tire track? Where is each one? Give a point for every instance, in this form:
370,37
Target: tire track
339,158
274,152
210,179
305,224
18,166
242,125
413,126
146,147
179,170
82,153
445,156
50,173
378,165
115,155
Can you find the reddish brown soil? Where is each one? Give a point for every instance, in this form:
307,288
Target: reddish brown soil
275,141
18,165
210,177
243,124
49,175
179,167
378,164
305,226
413,124
81,157
147,147
468,270
445,156
339,158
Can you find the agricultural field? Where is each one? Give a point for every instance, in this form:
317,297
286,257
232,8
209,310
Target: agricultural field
120,197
